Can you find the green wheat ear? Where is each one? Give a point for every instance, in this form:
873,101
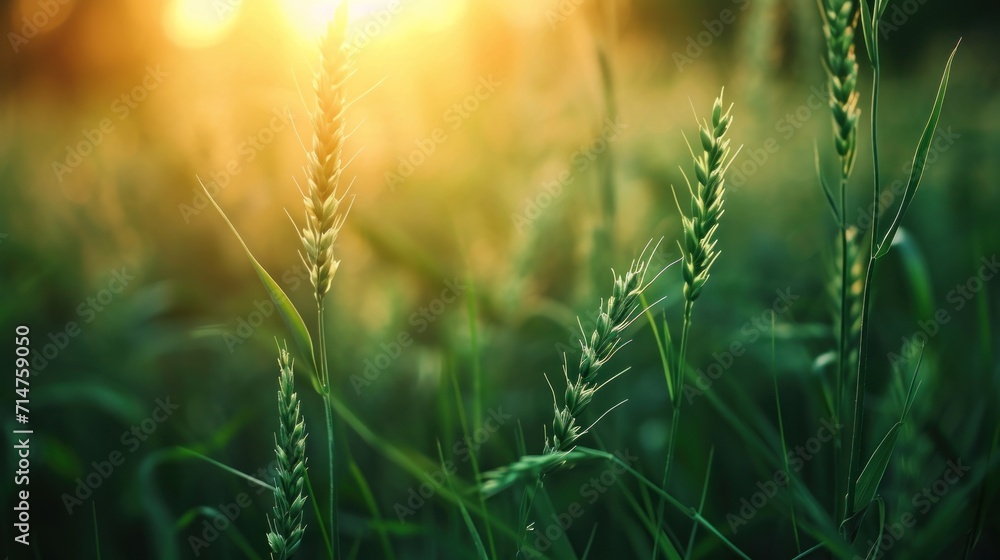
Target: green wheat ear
706,200
290,452
839,21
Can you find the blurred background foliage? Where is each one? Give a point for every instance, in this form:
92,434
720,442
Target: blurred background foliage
233,73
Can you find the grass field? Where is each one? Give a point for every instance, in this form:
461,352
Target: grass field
564,279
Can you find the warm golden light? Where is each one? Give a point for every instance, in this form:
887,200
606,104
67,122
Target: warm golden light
310,17
199,23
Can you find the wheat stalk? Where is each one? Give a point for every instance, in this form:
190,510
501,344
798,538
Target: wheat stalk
614,316
323,216
699,252
323,201
290,453
706,201
839,21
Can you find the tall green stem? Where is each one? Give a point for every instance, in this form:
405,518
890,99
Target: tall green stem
328,413
859,396
842,346
676,417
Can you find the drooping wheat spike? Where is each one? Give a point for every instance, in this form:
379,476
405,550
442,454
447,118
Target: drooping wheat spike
290,454
322,201
706,201
614,316
839,22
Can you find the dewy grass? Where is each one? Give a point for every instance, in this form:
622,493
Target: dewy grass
286,526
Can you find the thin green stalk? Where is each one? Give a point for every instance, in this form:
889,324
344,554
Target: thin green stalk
701,503
784,446
328,414
676,417
859,395
842,357
463,421
319,517
97,536
688,511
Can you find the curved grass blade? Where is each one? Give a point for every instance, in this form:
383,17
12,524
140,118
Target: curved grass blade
690,512
920,158
366,494
881,529
97,536
873,472
983,502
227,468
480,549
290,315
880,6
233,532
701,503
868,27
826,187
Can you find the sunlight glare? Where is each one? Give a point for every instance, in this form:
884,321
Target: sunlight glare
311,17
199,24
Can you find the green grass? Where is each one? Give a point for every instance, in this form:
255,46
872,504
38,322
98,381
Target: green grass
637,427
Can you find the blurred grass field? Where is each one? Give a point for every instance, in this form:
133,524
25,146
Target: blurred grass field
470,247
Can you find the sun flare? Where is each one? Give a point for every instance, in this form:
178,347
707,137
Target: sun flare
310,17
198,24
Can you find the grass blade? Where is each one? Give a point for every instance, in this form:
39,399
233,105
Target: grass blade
590,542
983,502
480,549
97,536
701,503
920,158
881,529
227,468
366,494
873,472
296,326
784,445
868,27
826,187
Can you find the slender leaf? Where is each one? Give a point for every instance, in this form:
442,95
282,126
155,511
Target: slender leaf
701,502
469,524
297,327
366,494
873,472
97,536
227,468
880,6
982,503
881,529
920,158
590,542
870,32
850,527
826,186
